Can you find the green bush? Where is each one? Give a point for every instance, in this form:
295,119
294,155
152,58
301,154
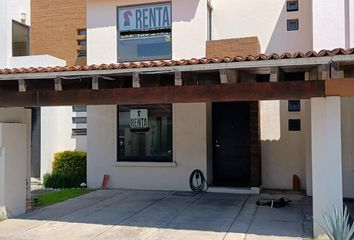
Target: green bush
69,170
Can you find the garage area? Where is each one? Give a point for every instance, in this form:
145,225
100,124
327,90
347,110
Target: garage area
128,214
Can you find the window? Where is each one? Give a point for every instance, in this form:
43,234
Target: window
79,120
293,24
144,32
145,133
292,6
82,42
20,39
82,32
79,109
81,53
294,125
79,132
294,106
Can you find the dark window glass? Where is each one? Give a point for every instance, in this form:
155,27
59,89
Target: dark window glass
82,53
79,109
81,32
292,6
20,39
294,106
294,125
293,24
144,32
79,120
82,42
79,132
145,133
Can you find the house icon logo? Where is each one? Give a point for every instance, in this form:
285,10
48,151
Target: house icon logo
127,15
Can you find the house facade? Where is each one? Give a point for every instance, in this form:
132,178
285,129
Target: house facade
189,128
247,120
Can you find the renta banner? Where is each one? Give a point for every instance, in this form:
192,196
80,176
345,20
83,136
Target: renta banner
144,17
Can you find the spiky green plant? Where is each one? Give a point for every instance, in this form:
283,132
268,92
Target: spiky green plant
338,226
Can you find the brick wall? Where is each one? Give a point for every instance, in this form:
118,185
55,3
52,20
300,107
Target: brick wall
233,47
54,25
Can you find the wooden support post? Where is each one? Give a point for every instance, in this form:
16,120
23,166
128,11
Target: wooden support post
274,74
228,76
22,85
324,72
136,80
336,72
311,75
58,84
95,85
178,78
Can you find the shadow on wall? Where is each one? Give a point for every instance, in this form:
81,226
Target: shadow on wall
185,14
283,40
104,14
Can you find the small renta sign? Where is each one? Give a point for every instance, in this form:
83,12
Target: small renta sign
144,17
139,119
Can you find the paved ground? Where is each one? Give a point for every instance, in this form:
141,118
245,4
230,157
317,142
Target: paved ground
123,214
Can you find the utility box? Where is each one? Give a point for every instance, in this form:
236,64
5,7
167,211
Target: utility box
13,165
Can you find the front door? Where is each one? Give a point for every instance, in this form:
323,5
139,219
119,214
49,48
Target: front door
231,139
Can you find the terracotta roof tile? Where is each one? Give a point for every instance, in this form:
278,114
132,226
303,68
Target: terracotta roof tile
193,61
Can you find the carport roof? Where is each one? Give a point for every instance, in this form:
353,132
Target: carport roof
253,61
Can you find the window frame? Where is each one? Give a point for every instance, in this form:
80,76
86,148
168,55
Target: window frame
139,59
152,159
292,10
293,20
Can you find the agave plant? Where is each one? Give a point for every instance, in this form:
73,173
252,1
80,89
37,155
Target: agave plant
338,225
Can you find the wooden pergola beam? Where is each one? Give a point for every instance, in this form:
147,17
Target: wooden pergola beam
22,87
58,85
170,94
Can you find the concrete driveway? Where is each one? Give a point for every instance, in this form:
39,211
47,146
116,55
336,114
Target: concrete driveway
125,214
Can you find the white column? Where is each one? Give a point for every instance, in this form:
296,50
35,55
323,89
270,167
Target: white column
326,158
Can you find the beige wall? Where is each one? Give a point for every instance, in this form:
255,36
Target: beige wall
13,169
283,152
347,146
189,151
265,19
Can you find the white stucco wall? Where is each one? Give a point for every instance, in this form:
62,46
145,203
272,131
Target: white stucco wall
265,19
10,10
189,151
13,169
56,135
328,24
35,61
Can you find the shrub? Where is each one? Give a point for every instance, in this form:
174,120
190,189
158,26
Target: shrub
69,170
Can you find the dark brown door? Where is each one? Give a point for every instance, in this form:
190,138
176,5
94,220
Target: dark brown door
231,139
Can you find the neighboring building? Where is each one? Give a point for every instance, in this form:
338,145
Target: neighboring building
58,29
